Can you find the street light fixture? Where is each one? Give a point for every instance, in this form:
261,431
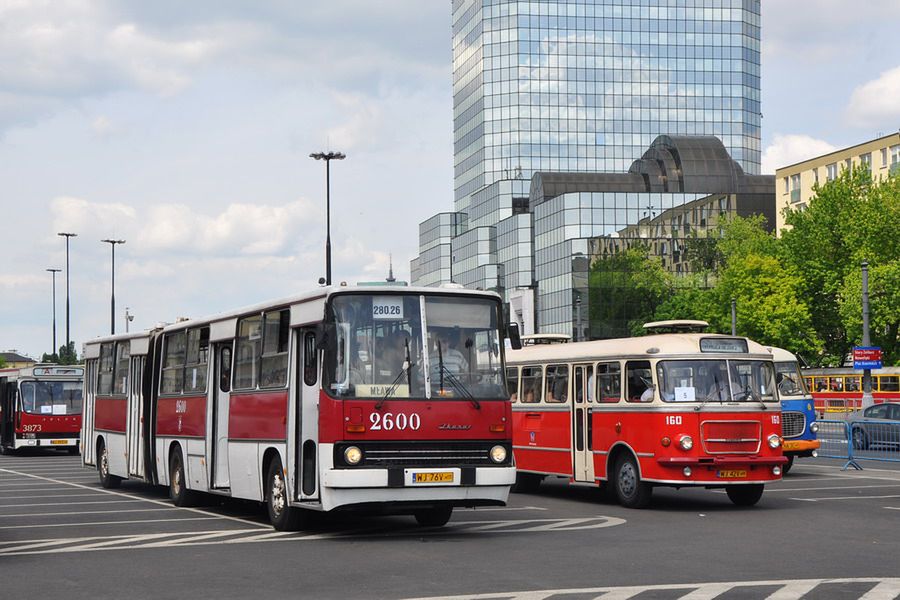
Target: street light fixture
328,157
67,236
53,272
112,313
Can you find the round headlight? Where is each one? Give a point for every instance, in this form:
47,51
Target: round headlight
352,455
774,441
814,427
498,454
686,442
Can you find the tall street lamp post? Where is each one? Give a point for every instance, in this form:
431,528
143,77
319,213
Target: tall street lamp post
112,298
328,157
53,272
67,236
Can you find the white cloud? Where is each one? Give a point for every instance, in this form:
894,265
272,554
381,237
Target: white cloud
792,148
876,103
91,218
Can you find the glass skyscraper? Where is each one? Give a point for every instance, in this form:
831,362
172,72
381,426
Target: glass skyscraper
577,86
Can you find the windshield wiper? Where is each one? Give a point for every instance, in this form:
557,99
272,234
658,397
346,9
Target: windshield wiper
749,393
406,368
708,397
454,382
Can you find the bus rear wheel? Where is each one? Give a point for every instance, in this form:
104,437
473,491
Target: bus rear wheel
178,491
282,516
107,480
745,495
630,490
434,517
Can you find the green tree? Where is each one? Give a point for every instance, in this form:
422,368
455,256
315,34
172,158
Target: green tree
625,289
2,363
68,355
50,358
849,220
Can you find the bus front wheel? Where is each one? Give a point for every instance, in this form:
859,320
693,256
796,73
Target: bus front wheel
630,490
282,516
434,517
745,495
527,483
787,466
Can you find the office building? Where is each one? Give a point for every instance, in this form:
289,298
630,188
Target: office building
576,87
794,183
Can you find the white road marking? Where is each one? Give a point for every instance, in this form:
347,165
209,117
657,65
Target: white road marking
94,495
30,505
86,512
843,487
845,498
150,500
108,523
502,509
884,588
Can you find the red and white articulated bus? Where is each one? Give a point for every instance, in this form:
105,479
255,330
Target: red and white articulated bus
40,407
391,399
676,409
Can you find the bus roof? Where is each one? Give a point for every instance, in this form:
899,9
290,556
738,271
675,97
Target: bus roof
318,294
650,346
781,355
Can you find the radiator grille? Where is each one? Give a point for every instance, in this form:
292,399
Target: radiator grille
731,437
793,424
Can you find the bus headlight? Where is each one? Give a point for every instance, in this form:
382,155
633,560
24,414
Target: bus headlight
498,454
686,442
352,455
774,441
814,427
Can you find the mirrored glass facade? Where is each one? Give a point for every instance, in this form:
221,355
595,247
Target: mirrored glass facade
584,86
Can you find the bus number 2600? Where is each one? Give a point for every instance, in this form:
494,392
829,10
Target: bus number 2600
390,421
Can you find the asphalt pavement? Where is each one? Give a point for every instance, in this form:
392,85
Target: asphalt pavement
820,533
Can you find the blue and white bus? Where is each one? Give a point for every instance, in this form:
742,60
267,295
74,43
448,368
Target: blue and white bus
798,411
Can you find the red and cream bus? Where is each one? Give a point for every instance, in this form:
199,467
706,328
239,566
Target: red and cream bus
676,409
390,399
40,407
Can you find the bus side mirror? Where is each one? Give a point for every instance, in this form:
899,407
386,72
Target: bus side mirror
512,332
324,335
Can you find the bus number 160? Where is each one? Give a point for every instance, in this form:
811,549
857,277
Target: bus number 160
673,419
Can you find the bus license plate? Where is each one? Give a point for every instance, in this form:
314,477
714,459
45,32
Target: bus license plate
59,442
731,473
441,477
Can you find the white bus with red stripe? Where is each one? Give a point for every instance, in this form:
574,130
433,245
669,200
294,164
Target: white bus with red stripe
40,407
676,409
391,399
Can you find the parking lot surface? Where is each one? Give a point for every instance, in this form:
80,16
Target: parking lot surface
821,532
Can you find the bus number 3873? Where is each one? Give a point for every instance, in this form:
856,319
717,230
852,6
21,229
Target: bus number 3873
390,421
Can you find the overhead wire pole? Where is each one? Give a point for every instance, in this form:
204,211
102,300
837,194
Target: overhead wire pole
67,236
867,398
112,307
328,157
53,272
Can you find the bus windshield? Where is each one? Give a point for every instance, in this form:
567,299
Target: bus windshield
790,382
716,381
51,397
412,346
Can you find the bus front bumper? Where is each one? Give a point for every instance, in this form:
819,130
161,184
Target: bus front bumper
402,477
800,446
58,442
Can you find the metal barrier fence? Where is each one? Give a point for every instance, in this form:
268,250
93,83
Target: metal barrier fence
859,440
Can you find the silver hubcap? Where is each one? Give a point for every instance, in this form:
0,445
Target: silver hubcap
104,463
627,479
176,480
277,494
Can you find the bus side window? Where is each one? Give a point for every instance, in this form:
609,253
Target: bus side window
609,382
512,383
532,379
639,380
557,383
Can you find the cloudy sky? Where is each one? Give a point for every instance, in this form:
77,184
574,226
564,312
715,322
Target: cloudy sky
185,129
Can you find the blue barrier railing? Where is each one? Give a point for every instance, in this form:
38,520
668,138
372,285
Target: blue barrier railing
859,440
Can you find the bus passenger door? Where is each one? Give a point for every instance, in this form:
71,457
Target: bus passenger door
134,430
582,389
217,440
306,419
